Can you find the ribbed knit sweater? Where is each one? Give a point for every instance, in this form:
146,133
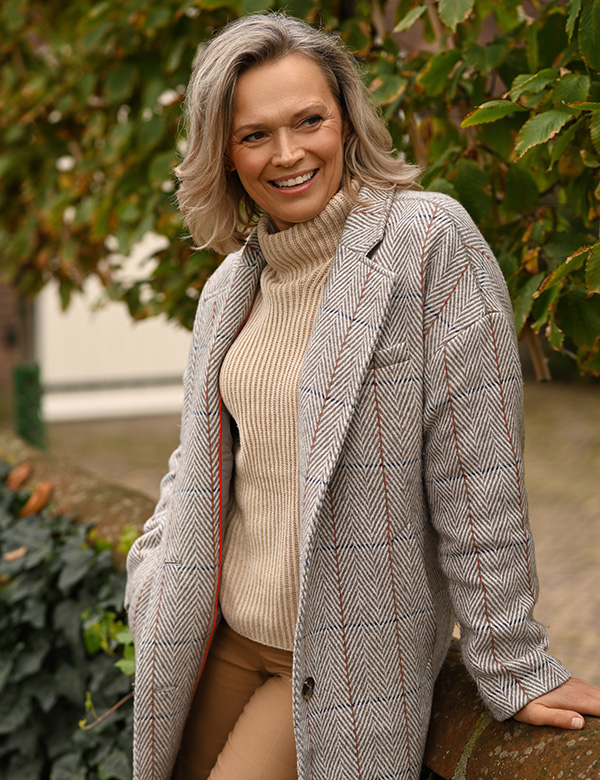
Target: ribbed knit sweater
259,384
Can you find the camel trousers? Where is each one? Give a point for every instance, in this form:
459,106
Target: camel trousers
240,724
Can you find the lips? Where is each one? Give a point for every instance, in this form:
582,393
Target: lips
295,181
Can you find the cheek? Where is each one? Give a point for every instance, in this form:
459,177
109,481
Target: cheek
248,166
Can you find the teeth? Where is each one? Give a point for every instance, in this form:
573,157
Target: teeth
296,181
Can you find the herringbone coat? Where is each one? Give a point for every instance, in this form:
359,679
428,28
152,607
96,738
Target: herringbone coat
413,507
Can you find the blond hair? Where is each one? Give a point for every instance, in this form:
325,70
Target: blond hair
218,211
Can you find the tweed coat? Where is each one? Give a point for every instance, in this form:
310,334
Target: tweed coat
412,506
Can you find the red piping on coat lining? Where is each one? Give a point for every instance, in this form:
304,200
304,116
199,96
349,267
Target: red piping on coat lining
214,625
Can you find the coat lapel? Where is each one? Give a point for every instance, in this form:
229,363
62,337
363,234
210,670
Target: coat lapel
352,311
235,305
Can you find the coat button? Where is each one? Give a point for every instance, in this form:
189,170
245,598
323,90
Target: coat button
307,688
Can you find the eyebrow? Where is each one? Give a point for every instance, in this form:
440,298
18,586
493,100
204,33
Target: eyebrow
310,109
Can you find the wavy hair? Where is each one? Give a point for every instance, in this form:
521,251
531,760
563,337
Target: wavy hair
218,211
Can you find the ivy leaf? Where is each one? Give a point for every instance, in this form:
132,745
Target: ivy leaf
452,12
573,9
539,129
115,767
491,112
592,269
589,34
68,767
411,17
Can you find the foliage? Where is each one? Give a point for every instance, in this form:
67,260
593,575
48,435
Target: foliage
49,578
501,108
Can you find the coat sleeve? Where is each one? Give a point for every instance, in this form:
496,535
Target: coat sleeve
473,429
143,555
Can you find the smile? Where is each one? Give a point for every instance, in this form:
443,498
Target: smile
285,183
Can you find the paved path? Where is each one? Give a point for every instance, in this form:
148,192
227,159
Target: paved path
562,462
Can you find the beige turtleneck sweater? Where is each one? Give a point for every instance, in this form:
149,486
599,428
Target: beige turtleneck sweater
259,383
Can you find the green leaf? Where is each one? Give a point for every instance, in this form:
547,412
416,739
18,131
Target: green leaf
542,306
573,263
539,129
533,47
452,12
579,316
484,58
592,269
69,767
120,82
595,130
491,112
554,334
115,767
589,34
570,88
411,17
524,300
126,666
585,106
560,144
472,185
528,82
573,9
151,132
521,190
387,87
356,35
435,74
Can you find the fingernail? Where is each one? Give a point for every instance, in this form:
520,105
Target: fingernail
577,723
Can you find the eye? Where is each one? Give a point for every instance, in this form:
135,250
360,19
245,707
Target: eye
312,121
253,137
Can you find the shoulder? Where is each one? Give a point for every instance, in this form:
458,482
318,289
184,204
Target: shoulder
221,277
434,214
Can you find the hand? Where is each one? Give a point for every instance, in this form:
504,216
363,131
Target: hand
563,707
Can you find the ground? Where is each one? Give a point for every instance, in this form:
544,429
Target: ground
562,468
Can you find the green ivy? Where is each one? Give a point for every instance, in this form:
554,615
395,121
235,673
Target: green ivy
51,663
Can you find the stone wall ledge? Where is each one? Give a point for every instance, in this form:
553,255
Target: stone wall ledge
465,743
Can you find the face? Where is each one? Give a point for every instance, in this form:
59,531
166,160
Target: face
286,142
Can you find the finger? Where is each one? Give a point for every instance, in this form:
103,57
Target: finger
539,715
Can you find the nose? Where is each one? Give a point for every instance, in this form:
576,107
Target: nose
287,151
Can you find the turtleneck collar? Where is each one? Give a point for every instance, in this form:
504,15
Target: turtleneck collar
305,244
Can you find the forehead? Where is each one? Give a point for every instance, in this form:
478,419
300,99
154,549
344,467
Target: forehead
278,86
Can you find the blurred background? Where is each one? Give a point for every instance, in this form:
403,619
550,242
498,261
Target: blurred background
498,102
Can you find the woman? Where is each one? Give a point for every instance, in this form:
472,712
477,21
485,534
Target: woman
349,476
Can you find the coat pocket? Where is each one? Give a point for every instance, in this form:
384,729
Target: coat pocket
388,356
